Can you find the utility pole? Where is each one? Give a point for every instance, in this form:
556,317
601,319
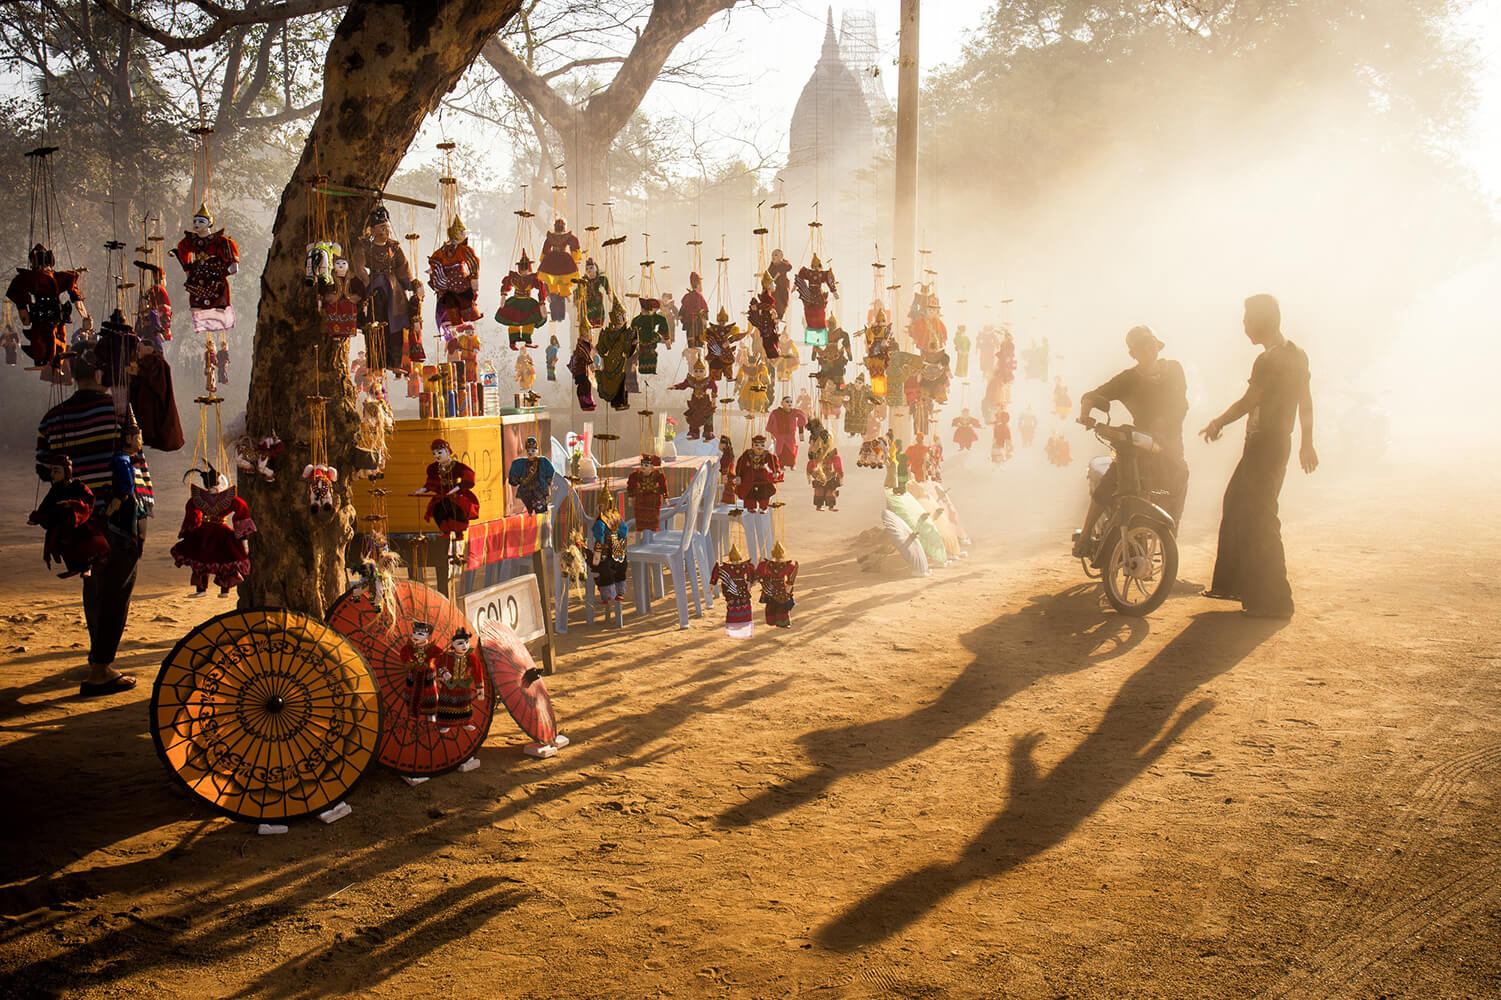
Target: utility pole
904,271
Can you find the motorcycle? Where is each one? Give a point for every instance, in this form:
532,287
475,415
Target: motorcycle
1132,546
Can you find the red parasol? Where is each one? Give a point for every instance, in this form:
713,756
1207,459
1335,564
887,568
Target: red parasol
410,745
518,681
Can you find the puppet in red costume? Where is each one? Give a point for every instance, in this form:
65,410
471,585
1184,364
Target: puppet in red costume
422,679
815,283
694,311
460,678
453,272
825,468
212,538
727,471
965,430
762,316
44,301
647,488
720,336
786,425
451,485
66,513
734,577
779,271
558,266
917,458
777,576
521,312
341,304
208,257
756,475
700,413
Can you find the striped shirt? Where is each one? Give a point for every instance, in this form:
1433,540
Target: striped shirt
84,428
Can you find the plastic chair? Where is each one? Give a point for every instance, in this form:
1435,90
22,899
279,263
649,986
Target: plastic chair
703,545
676,554
560,497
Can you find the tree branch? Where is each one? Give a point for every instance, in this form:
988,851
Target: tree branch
225,20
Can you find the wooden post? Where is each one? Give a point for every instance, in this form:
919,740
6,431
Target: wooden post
905,264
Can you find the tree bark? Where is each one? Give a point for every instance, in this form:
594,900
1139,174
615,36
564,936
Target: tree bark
386,69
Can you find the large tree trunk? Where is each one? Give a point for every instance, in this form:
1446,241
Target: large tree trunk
387,67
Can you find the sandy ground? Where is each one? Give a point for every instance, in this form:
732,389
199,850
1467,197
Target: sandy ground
979,784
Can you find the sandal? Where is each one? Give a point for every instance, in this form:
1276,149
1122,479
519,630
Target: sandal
115,685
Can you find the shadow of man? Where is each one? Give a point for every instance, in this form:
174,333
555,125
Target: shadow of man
1042,809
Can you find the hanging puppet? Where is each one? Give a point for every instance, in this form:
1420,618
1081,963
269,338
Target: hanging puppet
832,367
256,455
1000,441
222,357
933,377
925,326
779,271
463,356
966,430
212,538
814,285
720,337
755,383
727,495
153,400
210,362
532,477
551,357
208,257
341,304
558,267
450,483
787,357
131,499
858,402
650,329
581,366
373,433
153,307
825,468
777,576
609,555
699,416
526,371
66,514
616,348
320,481
453,272
521,312
647,488
460,677
786,426
392,295
422,678
757,473
117,350
592,296
763,318
961,353
10,341
694,312
878,350
734,576
45,300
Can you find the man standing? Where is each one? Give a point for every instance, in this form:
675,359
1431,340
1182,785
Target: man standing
1250,566
1155,393
85,429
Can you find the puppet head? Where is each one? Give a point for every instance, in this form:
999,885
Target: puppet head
457,231
777,552
531,447
694,281
699,369
422,633
758,444
649,306
524,265
617,314
777,257
560,225
203,220
722,317
341,267
442,451
591,269
40,257
460,641
786,402
816,264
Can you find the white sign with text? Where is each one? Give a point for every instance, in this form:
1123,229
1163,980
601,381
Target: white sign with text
517,603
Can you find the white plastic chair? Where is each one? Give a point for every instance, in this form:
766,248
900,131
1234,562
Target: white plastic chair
703,546
676,554
560,498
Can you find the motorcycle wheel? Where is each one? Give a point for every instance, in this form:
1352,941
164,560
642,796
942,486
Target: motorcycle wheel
1141,568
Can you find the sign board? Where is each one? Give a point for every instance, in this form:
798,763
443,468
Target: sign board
517,603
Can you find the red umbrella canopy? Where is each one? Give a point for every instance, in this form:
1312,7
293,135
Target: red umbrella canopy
265,714
517,681
411,744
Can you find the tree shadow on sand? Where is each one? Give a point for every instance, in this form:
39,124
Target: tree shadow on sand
1042,809
1079,632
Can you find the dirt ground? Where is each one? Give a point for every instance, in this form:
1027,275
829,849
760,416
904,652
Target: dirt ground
978,784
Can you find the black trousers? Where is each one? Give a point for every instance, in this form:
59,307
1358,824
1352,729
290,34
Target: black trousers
106,602
1250,563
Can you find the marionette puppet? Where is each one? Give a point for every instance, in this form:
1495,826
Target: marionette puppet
532,476
117,349
650,329
460,677
463,355
859,402
591,296
961,353
153,307
609,554
526,371
694,312
917,458
341,304
734,576
825,468
422,677
757,473
521,312
10,341
699,416
1000,441
1027,426
727,494
558,266
453,273
450,483
647,488
66,514
616,348
581,367
814,285
574,560
985,345
45,300
777,576
670,314
786,426
1063,404
212,538
551,356
320,481
223,359
719,339
965,430
372,435
933,377
153,400
210,362
762,317
392,295
779,271
787,358
933,464
755,384
878,351
831,366
131,500
925,326
208,258
256,455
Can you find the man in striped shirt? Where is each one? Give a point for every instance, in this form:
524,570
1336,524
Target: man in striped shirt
85,428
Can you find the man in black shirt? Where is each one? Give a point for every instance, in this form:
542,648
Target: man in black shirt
1155,392
1250,566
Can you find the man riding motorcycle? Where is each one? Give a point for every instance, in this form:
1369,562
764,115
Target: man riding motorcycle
1155,392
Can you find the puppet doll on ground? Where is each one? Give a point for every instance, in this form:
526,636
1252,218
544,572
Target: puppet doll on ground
699,416
212,538
45,300
521,312
551,356
647,488
650,329
694,312
727,494
786,426
966,430
825,468
616,348
814,285
392,295
208,257
66,514
757,473
341,304
777,576
450,483
609,555
719,338
581,367
762,317
734,576
422,677
532,477
780,271
460,677
453,273
557,267
591,296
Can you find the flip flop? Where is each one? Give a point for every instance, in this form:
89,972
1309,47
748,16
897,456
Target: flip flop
1215,595
115,685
